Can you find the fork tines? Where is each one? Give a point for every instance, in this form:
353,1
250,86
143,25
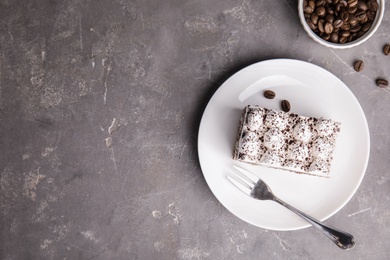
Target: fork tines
242,179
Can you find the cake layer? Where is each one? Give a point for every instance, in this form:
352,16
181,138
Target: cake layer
277,139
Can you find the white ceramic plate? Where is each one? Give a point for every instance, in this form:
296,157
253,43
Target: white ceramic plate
312,91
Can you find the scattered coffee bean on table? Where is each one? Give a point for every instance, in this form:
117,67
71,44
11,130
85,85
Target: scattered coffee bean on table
386,49
269,94
358,65
285,105
340,21
382,83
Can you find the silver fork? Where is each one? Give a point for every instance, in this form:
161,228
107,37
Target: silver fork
253,186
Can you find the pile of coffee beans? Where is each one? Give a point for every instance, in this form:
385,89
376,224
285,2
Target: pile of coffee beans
340,21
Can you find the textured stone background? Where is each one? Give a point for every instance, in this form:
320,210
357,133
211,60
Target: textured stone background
100,103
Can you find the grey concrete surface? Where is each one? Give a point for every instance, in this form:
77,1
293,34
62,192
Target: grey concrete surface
100,104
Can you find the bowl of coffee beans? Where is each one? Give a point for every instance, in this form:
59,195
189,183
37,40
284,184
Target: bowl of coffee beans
341,24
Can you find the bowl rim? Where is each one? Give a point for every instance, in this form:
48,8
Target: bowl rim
365,37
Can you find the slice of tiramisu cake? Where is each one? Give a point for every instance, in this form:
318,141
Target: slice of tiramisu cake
284,140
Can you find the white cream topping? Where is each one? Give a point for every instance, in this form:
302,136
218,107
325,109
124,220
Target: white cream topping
322,148
297,151
275,118
324,127
319,166
271,158
250,144
273,139
302,131
251,148
254,120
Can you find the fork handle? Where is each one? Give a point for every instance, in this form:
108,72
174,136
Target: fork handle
342,239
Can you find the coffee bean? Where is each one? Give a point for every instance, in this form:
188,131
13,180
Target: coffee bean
366,26
386,49
345,27
373,5
312,3
326,37
371,15
329,18
321,25
328,28
308,9
360,34
329,10
269,94
334,37
351,9
344,16
311,24
356,28
314,18
345,33
343,3
362,6
343,39
320,3
382,83
320,11
361,15
335,1
285,105
358,65
364,19
352,20
352,3
337,7
338,23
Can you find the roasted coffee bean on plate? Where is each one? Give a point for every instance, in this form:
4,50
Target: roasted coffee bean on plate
340,21
285,105
358,65
382,83
269,94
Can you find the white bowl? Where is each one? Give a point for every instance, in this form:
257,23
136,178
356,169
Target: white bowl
365,37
